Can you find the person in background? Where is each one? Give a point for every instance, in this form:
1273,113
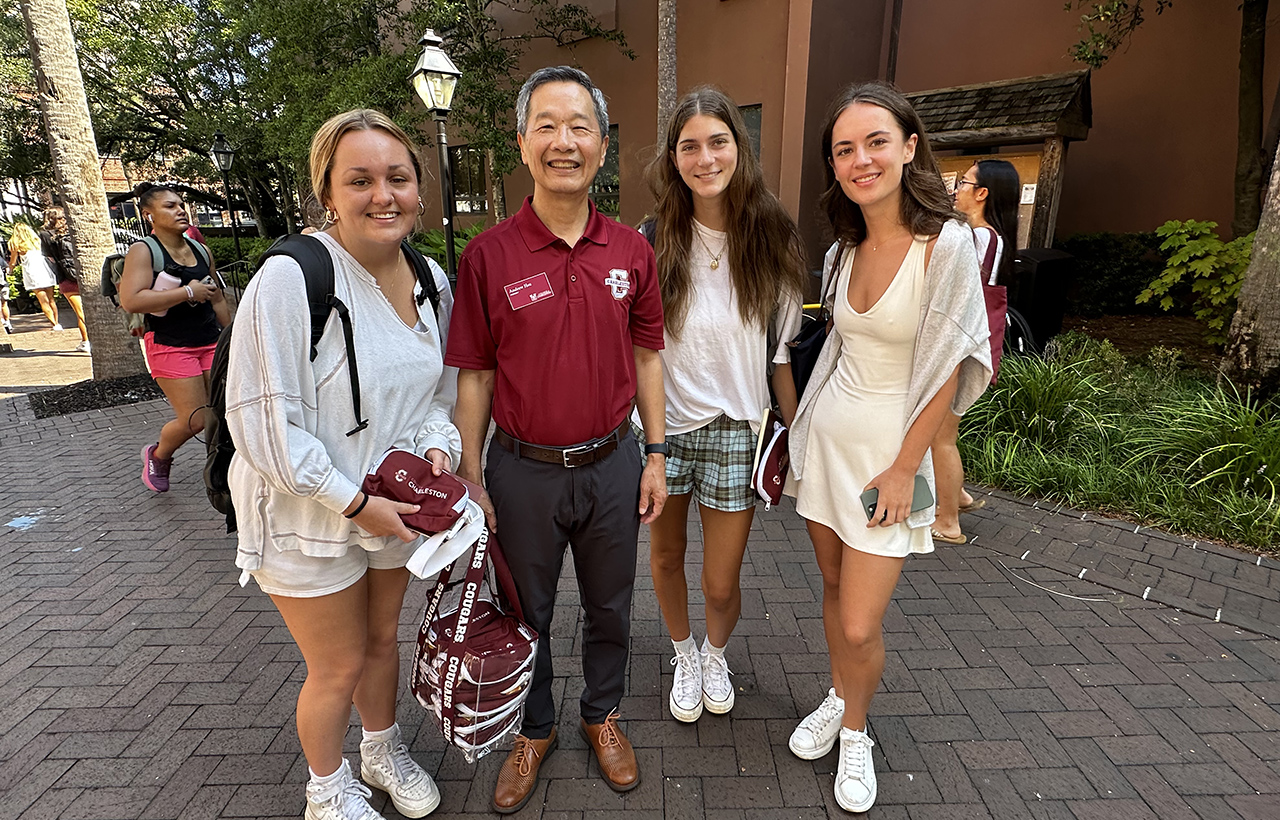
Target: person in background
5,319
331,556
38,275
559,324
56,245
183,323
987,195
731,267
909,343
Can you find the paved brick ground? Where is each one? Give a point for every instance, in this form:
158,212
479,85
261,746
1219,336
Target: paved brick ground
137,680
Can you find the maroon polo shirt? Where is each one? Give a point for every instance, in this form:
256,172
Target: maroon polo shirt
557,324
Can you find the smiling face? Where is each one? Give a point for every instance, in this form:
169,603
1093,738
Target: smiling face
373,189
165,211
706,156
868,152
562,143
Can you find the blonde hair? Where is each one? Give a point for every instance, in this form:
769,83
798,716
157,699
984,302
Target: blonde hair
325,144
23,238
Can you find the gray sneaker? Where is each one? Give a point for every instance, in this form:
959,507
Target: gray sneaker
386,765
344,799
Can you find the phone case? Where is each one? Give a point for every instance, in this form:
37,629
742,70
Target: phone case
921,498
165,281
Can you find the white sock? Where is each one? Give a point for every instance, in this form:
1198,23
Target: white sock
709,649
384,736
328,778
686,647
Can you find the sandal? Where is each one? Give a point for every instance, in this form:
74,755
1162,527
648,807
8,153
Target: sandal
958,540
978,503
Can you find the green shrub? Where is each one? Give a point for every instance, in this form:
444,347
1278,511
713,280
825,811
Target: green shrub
1214,270
1147,439
223,249
1111,270
431,242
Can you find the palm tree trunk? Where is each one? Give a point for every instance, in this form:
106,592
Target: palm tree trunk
667,87
1253,345
78,174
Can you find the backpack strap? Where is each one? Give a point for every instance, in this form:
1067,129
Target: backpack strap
317,272
426,276
201,251
157,252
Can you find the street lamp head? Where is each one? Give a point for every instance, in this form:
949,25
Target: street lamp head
435,76
222,153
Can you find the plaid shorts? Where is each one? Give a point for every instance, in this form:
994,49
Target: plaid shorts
713,463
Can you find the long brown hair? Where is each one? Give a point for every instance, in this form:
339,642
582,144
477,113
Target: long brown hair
925,204
766,256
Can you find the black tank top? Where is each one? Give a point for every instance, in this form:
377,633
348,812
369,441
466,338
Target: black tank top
185,325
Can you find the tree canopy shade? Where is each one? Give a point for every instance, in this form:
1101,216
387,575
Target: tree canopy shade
162,76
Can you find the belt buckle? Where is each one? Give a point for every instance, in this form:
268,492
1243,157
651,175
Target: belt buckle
584,449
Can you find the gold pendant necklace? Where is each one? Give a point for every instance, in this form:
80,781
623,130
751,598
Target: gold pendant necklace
715,257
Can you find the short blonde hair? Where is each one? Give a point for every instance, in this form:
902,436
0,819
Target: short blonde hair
325,144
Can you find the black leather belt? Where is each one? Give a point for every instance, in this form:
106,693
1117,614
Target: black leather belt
578,455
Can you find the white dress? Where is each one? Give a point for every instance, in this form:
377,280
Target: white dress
859,418
36,272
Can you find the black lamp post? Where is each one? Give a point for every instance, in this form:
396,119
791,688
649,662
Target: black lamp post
223,155
434,78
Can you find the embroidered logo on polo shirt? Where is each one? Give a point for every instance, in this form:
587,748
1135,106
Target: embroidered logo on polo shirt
619,282
528,291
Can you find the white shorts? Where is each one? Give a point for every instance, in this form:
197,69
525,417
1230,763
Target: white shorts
292,574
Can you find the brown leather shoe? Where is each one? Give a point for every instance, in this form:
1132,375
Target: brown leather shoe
519,774
613,752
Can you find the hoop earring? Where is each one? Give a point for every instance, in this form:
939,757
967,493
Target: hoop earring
421,208
330,216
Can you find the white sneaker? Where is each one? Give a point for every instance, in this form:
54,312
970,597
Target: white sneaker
56,328
686,689
820,729
344,799
386,765
717,691
856,773
83,347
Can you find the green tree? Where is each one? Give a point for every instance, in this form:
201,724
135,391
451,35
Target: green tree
1108,25
487,50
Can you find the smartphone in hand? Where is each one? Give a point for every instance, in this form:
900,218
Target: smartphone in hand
921,498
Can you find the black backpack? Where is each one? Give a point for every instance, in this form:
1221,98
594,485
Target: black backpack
317,271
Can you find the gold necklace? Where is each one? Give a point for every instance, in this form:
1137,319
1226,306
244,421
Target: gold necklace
715,257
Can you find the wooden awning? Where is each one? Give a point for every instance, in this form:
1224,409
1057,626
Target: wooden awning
1007,112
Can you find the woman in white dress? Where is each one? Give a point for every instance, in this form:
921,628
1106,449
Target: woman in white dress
731,266
909,342
37,271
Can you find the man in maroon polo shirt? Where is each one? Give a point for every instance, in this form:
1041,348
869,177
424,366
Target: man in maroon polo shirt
556,330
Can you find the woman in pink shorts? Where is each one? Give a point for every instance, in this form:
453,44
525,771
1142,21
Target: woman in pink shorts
185,311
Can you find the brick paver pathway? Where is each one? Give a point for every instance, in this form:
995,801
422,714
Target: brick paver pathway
137,680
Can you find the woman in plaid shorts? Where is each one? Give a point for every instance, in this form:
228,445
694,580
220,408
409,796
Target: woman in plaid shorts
731,265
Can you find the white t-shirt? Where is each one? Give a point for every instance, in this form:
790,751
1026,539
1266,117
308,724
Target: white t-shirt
719,364
983,239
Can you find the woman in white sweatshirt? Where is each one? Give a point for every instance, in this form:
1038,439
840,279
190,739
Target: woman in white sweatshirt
330,556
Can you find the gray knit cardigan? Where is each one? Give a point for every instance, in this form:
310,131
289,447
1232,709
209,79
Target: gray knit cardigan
952,331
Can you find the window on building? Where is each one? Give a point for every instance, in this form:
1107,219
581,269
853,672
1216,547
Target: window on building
470,190
606,187
751,116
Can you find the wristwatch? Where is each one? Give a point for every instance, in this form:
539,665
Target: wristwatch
660,447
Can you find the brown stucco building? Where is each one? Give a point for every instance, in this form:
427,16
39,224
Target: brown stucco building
1163,135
